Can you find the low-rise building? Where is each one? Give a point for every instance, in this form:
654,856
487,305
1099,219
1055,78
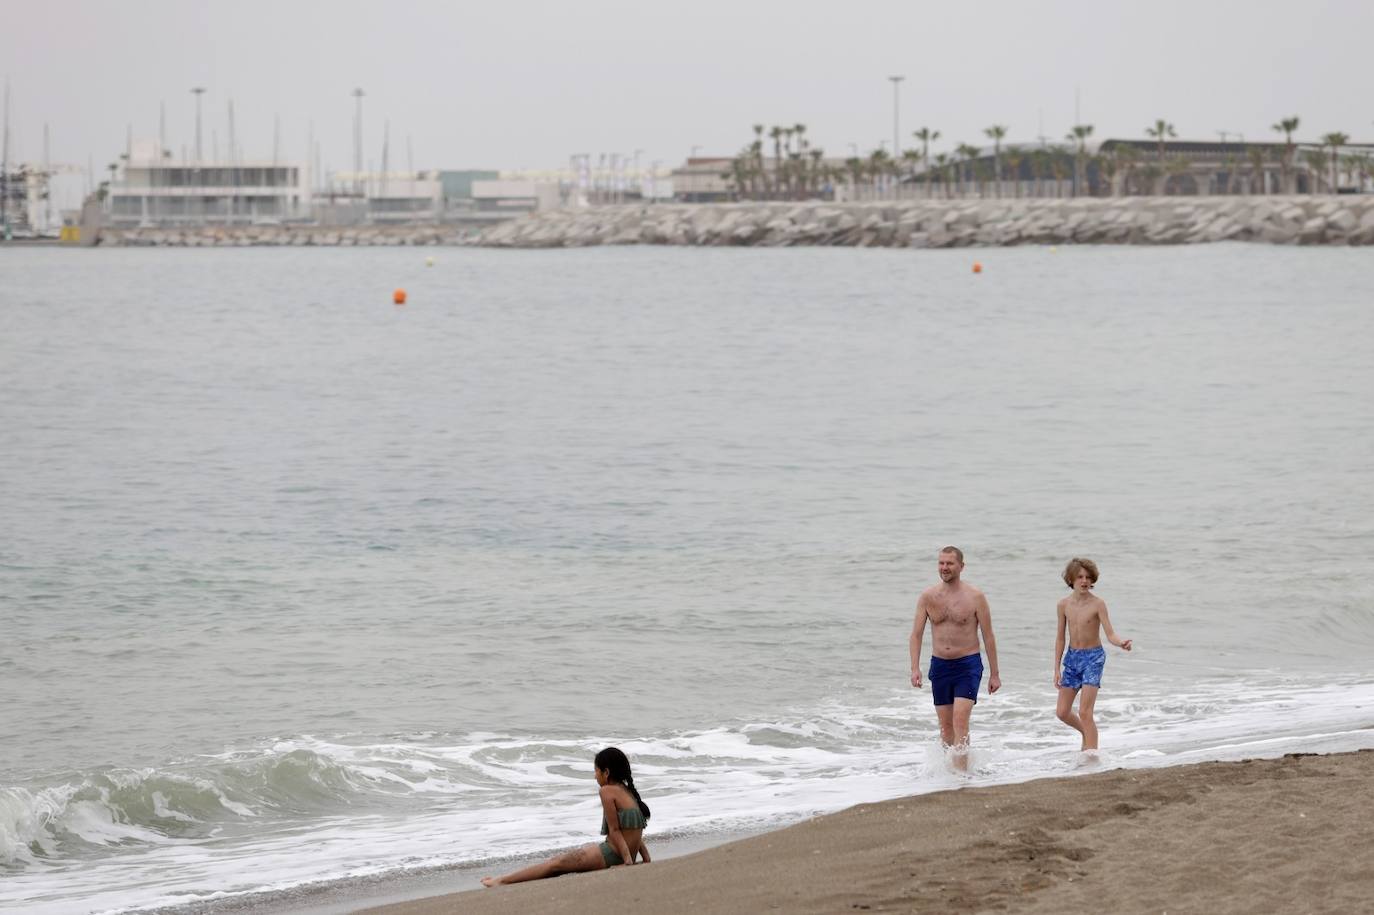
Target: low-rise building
154,190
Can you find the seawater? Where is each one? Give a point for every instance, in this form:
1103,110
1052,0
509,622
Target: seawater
296,585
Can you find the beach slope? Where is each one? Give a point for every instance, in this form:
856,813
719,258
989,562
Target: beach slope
1290,834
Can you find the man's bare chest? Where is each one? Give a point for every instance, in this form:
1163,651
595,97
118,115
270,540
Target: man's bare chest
952,613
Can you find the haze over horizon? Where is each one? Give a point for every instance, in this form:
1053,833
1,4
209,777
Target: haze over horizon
527,84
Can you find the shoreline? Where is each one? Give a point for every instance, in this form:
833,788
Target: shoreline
1285,832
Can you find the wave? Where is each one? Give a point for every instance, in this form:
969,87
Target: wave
290,812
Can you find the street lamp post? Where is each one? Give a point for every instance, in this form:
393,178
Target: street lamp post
896,119
358,140
896,123
198,91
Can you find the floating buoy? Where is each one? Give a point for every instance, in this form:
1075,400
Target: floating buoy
977,267
1053,249
429,262
399,297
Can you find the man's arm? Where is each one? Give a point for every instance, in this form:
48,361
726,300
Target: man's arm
1111,633
918,631
984,614
1060,626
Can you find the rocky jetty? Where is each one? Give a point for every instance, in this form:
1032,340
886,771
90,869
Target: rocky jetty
1286,220
283,236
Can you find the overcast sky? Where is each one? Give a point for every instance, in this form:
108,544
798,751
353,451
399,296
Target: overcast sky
524,84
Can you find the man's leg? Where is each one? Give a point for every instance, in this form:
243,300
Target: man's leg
1063,710
962,709
1087,699
946,715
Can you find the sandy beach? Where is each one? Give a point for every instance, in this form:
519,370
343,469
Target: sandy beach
1290,834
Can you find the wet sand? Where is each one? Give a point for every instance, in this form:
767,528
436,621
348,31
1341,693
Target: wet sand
1290,834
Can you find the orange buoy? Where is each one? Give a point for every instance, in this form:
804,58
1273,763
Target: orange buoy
977,268
399,297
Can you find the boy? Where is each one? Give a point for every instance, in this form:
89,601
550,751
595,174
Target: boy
1082,614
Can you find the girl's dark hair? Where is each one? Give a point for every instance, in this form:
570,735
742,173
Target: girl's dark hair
616,763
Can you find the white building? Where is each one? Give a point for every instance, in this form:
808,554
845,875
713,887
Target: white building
155,190
513,197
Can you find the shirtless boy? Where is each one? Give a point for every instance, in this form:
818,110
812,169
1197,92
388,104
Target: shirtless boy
957,612
1083,614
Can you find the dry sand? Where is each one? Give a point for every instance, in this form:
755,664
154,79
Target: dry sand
1286,835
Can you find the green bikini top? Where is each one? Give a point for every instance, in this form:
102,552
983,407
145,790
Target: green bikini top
629,819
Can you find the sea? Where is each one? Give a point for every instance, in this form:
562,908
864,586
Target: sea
301,587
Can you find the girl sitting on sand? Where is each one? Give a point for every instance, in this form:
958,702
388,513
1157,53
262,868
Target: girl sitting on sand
624,816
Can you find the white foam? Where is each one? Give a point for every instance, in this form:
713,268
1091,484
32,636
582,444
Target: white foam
487,797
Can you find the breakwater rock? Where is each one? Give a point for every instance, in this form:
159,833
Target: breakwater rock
283,236
1293,220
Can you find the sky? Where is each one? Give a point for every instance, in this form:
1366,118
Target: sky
525,83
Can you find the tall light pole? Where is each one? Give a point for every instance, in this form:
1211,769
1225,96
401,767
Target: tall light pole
896,128
358,139
198,91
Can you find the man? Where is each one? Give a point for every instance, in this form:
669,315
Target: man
958,612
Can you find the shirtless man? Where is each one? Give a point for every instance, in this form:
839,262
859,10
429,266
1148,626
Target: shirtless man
958,612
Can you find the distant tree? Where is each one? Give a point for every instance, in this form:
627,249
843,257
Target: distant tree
1061,163
996,133
1357,166
1079,135
1232,165
1162,131
1335,141
942,167
1315,160
926,136
1015,158
968,154
1124,158
1257,182
1286,127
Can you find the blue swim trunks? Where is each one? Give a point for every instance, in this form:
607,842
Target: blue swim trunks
1083,667
955,677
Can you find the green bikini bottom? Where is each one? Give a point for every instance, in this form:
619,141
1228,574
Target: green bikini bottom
610,855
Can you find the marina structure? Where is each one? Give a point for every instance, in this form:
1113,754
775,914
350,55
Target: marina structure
149,188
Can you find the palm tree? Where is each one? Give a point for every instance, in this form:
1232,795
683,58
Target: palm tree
1316,164
1257,182
1126,159
1039,167
969,153
1015,157
1162,131
996,133
942,170
1058,155
1335,141
1080,134
910,159
926,136
775,134
1357,167
879,164
1107,168
1232,165
1286,127
817,170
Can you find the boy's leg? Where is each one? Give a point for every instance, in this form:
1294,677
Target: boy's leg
1087,699
1063,709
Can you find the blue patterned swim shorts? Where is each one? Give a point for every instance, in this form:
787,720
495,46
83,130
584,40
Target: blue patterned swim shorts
1083,667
